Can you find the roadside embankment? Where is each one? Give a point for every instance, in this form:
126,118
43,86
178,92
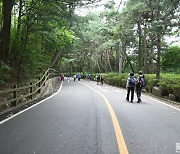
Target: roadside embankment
167,87
51,86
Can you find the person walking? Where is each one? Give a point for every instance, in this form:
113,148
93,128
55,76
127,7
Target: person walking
89,77
130,85
68,76
79,76
98,77
140,83
74,76
62,77
102,79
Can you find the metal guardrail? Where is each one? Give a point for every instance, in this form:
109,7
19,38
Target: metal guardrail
30,88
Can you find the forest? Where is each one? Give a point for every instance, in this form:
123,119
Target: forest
39,34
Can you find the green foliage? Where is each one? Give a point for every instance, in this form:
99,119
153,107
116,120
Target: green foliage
94,43
116,79
4,73
171,59
169,82
60,38
151,81
37,35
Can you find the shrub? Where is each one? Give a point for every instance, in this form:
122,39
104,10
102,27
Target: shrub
116,79
170,83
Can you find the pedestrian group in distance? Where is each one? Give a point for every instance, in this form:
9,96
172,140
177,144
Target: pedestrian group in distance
133,84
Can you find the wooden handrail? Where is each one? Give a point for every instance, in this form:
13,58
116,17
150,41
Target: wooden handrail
44,78
25,87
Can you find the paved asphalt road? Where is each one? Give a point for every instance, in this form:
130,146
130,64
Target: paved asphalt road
78,120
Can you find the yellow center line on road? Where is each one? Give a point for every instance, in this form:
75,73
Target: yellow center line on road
119,136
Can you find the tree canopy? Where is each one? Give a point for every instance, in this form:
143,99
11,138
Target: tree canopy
37,34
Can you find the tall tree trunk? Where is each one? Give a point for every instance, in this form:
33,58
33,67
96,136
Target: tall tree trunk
71,11
127,58
90,62
120,64
5,35
108,59
58,54
15,21
18,26
104,62
116,58
158,34
145,50
158,56
97,61
140,55
19,17
151,65
15,62
120,58
26,36
1,20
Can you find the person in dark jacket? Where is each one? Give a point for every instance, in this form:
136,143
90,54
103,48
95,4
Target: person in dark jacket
139,86
98,77
130,85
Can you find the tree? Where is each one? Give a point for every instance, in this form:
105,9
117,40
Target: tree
171,59
152,19
5,31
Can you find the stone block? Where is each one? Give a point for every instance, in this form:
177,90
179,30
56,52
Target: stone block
172,97
157,91
144,90
177,95
164,91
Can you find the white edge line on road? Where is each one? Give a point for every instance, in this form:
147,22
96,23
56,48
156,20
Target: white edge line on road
7,119
162,102
151,97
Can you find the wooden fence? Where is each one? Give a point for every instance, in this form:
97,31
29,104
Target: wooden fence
16,94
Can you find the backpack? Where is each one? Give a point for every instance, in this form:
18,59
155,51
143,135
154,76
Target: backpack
99,76
143,83
132,82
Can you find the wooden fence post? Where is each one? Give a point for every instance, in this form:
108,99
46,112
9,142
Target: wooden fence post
44,80
39,85
14,103
31,89
48,75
